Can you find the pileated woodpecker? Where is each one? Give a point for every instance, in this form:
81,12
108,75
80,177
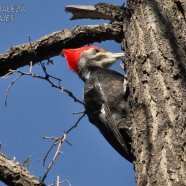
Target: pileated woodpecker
105,94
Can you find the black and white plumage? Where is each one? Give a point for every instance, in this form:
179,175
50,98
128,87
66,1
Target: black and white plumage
106,98
107,108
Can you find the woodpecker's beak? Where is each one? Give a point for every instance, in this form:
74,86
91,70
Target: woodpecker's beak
106,59
113,55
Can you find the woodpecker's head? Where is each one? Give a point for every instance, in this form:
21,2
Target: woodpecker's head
89,56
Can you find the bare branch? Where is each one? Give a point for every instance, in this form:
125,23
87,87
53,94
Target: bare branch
99,11
83,12
61,182
11,84
57,181
51,45
59,142
9,87
13,173
79,112
76,124
47,78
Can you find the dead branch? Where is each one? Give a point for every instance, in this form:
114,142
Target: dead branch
9,87
99,11
58,142
80,112
76,124
51,45
46,77
13,173
58,182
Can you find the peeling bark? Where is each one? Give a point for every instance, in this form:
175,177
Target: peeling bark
14,174
155,36
51,45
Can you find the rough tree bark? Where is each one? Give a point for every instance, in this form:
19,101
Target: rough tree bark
154,41
155,35
14,174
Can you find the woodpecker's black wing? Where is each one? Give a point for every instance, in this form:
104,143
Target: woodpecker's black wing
107,108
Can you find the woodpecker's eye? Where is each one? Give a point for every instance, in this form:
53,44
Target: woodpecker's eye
97,50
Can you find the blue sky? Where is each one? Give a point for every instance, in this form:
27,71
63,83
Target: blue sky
35,109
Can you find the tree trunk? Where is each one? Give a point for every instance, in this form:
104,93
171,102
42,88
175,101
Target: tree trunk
155,35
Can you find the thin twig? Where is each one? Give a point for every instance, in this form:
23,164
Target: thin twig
9,87
79,112
48,152
57,139
47,78
59,142
57,181
76,124
6,75
61,182
52,137
70,94
30,69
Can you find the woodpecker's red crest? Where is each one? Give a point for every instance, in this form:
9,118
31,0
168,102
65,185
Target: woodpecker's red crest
73,56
